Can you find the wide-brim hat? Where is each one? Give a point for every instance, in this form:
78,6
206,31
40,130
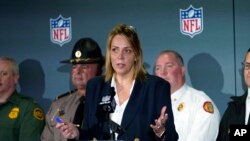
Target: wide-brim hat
85,51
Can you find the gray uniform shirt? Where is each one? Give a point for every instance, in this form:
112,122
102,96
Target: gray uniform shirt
65,108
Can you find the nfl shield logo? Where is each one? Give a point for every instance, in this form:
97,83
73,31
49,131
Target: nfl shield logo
191,21
60,30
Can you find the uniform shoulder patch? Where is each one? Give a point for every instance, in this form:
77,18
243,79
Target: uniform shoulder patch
208,107
38,113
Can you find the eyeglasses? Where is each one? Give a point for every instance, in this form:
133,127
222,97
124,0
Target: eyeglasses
246,65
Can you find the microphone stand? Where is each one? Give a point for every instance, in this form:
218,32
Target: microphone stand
107,106
115,128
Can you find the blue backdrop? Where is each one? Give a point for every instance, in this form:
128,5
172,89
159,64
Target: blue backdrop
212,58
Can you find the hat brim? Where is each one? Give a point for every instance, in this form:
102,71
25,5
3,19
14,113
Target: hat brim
84,61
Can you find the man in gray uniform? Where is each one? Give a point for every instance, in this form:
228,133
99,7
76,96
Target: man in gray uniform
87,62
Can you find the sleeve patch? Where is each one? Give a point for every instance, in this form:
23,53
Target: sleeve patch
38,114
208,107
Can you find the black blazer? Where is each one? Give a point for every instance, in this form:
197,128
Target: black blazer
144,106
234,114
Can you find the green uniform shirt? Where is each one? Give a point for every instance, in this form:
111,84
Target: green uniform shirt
21,119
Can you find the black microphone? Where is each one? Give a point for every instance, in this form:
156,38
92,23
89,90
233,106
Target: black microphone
107,105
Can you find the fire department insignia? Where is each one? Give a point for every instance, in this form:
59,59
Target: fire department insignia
180,107
60,30
208,107
191,21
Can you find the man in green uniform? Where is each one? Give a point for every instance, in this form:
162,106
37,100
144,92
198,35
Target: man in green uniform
21,119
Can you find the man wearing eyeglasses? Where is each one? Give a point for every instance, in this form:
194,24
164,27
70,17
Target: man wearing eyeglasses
237,112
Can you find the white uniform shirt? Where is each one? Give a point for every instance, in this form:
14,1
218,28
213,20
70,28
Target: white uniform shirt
196,117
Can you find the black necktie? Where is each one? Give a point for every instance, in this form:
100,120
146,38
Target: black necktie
79,112
112,93
79,115
113,103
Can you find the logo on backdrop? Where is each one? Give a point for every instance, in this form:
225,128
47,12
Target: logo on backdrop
191,21
60,30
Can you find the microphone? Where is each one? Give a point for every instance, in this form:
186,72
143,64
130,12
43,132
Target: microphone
107,105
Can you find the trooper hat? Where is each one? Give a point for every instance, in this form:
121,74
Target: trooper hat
85,51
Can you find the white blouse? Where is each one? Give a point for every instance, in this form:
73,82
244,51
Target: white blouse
119,109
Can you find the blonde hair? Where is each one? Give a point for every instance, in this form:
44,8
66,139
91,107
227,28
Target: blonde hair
132,37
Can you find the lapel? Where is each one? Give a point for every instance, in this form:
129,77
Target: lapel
248,123
133,105
243,101
104,126
240,107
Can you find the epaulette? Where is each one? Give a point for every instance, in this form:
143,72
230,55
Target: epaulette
65,94
26,97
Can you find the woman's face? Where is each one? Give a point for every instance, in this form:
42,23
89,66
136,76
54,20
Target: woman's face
122,55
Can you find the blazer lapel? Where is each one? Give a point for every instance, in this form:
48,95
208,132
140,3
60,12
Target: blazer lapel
241,107
102,119
133,104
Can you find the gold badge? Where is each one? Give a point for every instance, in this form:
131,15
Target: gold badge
14,113
208,107
78,54
180,107
136,139
38,114
58,112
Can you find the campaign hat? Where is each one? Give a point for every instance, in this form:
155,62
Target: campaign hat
85,51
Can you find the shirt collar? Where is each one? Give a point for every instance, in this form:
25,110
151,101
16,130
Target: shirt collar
177,94
113,84
14,98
